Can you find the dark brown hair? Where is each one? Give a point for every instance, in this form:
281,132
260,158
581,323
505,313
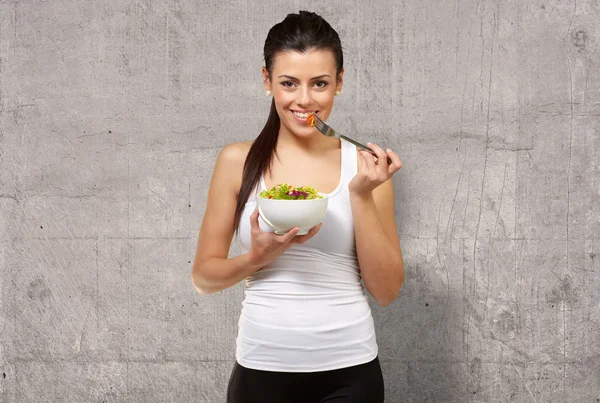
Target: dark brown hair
297,32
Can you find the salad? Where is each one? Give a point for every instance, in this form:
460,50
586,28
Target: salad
289,192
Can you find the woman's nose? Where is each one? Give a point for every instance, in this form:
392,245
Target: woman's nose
304,97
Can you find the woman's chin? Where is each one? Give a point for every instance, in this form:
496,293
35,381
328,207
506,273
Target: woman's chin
302,130
306,132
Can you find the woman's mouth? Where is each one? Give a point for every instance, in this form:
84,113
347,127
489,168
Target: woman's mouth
302,116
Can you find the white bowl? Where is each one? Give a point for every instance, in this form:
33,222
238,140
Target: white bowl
283,215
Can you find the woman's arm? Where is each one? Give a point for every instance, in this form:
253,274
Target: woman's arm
212,271
377,243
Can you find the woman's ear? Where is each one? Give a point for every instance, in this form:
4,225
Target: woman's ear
340,81
266,79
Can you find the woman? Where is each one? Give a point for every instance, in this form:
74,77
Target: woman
306,331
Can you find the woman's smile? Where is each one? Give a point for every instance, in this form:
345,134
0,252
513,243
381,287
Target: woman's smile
302,115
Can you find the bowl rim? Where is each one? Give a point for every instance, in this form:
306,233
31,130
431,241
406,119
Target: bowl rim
325,196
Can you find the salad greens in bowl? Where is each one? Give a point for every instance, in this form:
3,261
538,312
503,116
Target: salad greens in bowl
289,192
284,207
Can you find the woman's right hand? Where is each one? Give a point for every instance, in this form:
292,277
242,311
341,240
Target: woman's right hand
266,246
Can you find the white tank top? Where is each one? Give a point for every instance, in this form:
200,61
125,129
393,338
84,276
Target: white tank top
307,310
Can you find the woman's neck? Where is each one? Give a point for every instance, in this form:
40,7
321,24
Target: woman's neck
309,144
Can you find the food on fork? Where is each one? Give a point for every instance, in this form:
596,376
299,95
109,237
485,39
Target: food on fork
312,120
285,191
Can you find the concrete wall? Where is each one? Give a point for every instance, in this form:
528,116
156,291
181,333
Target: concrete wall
112,114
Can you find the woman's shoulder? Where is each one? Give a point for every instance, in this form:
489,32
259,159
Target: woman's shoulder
234,155
227,173
230,164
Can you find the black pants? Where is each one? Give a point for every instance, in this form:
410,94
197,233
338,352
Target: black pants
357,384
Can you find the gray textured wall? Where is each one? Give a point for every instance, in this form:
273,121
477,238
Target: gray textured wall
112,114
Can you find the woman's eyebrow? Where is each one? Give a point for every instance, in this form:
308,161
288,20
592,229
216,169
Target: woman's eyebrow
294,78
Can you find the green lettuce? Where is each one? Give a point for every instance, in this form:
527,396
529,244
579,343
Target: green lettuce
285,191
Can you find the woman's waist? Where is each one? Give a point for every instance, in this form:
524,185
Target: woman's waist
315,277
306,313
287,333
303,291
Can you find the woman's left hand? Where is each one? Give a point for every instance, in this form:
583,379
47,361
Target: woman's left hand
374,171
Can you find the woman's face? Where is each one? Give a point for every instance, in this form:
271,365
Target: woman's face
302,83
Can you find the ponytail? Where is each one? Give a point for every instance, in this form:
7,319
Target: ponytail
258,161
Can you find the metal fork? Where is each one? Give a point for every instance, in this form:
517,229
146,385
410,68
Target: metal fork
325,129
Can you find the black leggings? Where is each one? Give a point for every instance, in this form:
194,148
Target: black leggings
357,384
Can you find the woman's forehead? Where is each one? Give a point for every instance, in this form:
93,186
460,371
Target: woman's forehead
307,63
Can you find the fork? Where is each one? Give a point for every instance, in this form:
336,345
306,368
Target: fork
325,129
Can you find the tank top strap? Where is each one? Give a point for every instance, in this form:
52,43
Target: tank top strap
349,160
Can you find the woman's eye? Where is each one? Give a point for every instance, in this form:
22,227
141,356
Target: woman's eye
287,84
321,84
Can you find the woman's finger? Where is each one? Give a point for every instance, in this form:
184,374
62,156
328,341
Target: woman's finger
303,238
369,160
364,168
254,220
396,162
288,236
381,157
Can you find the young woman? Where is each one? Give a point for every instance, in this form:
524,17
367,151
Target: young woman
306,331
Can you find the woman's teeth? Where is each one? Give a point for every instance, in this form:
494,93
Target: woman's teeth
301,115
